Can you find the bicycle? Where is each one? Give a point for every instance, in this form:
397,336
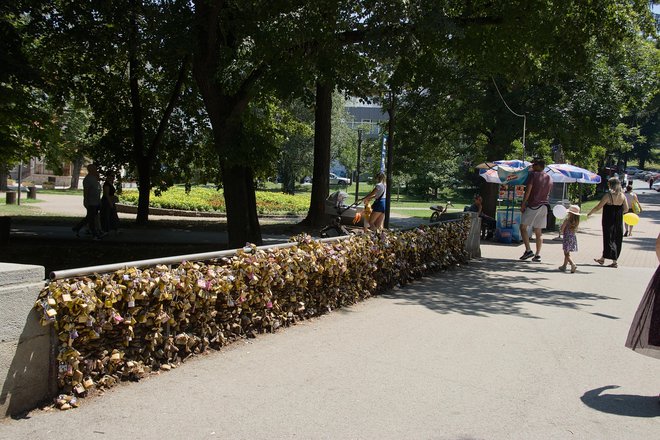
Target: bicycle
438,211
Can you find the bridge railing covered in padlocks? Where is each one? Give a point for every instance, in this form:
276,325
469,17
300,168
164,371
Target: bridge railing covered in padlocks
134,320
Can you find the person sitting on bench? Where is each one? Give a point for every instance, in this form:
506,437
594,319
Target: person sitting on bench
488,223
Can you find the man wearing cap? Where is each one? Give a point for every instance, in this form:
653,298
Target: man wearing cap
534,208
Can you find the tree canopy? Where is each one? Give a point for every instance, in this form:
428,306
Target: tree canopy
239,91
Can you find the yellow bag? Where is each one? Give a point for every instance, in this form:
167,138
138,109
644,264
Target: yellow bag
636,207
367,212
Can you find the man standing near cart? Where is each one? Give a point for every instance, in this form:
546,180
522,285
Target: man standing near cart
534,208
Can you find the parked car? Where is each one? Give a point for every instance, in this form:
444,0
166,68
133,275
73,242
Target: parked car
341,181
646,175
656,186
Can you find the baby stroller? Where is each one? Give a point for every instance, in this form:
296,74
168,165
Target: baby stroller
340,215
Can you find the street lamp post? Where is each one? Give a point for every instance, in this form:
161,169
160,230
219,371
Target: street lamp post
357,170
20,178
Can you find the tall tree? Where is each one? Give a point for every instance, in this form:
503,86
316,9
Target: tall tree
127,60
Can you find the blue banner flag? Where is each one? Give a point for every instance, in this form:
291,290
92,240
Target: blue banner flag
383,153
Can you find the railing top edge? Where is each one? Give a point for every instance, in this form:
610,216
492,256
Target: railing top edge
107,268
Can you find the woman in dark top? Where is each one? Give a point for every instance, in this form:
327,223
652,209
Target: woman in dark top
109,217
614,204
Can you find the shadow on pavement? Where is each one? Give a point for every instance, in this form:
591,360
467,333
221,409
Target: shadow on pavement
621,404
646,199
487,287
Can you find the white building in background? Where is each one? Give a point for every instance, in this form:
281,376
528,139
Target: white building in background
367,116
37,172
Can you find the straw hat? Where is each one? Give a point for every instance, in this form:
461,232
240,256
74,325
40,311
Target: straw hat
574,209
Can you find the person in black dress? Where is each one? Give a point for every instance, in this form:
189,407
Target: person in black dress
644,333
109,217
614,204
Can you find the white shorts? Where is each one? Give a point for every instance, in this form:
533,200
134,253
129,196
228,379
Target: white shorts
537,218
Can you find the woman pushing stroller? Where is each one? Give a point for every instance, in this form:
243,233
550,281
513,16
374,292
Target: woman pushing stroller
377,217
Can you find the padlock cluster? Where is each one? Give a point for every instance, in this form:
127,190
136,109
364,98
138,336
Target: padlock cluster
126,324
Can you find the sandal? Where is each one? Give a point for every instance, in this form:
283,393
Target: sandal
600,261
614,265
562,268
573,268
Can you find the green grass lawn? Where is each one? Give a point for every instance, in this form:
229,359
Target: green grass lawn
16,210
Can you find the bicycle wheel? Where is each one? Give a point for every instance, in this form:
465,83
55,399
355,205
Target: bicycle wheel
435,217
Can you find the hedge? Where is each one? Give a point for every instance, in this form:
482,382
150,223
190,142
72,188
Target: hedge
125,324
209,199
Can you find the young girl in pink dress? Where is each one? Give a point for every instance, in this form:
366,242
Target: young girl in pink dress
569,240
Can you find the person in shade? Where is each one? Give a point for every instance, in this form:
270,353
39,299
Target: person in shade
109,217
488,223
377,217
614,205
534,208
91,202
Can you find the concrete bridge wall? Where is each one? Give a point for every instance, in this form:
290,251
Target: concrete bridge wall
27,377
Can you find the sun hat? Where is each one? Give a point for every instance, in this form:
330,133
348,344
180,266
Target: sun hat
574,209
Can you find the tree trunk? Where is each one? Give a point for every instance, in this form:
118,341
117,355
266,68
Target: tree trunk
288,183
321,178
143,163
489,193
144,190
243,223
75,171
225,109
3,178
390,157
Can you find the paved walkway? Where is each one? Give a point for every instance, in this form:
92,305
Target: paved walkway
499,349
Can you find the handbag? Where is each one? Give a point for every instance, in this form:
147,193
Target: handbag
636,207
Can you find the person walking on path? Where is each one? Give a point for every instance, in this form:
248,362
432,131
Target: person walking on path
569,238
91,202
644,334
534,208
633,206
109,217
614,204
377,217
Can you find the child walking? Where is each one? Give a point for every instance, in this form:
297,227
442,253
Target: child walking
569,240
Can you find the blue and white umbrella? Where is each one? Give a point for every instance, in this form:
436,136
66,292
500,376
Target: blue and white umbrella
567,173
506,172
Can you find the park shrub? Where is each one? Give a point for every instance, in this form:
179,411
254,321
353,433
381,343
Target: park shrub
210,199
125,324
